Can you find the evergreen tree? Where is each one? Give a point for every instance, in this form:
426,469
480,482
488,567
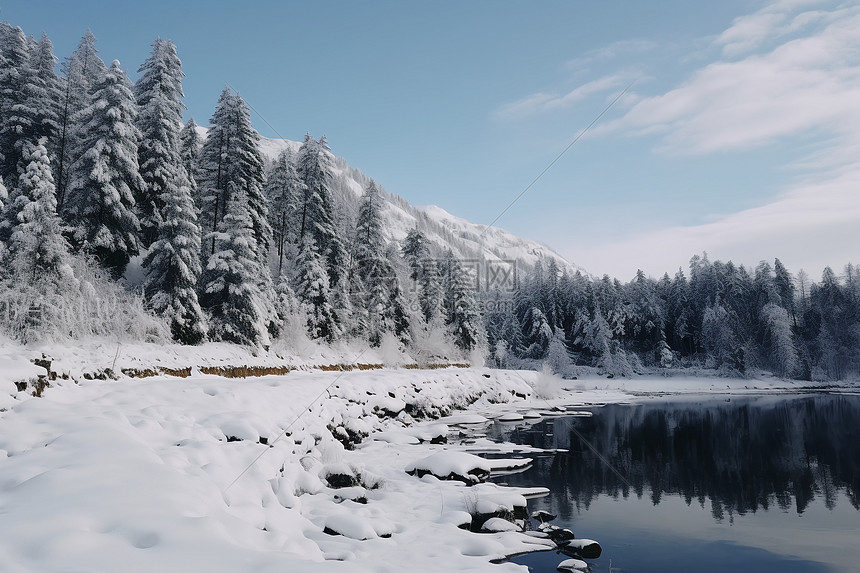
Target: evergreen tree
82,72
784,284
424,273
189,151
538,333
230,161
283,188
37,249
159,99
230,283
463,318
313,290
782,352
37,262
374,271
173,265
100,204
557,356
46,94
18,114
315,210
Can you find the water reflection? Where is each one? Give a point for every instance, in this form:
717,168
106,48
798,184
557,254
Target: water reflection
735,457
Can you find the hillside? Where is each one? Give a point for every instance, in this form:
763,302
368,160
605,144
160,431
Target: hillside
469,241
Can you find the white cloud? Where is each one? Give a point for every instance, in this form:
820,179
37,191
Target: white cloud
544,102
810,226
774,21
804,85
610,52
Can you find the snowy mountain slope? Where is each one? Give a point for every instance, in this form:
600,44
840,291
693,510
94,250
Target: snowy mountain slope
469,241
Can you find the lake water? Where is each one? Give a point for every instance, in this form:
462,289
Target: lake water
755,484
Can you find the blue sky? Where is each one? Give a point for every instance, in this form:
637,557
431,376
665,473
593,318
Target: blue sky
740,135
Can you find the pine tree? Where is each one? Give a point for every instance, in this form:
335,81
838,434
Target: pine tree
173,265
313,290
782,352
230,283
37,262
538,333
230,161
159,99
189,151
424,272
82,71
37,248
374,270
100,204
46,94
463,318
315,210
18,114
283,189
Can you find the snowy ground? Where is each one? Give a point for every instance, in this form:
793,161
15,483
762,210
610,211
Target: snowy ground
166,473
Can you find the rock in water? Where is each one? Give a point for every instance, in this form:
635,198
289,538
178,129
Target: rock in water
585,548
559,535
542,516
572,565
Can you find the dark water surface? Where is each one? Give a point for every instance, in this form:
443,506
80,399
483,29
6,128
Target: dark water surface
757,484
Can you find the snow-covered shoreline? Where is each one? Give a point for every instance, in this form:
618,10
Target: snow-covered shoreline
213,474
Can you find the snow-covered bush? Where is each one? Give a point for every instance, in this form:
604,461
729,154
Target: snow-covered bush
89,303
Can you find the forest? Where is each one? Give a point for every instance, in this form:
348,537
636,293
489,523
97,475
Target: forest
119,220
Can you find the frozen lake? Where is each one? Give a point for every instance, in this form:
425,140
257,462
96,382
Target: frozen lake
769,483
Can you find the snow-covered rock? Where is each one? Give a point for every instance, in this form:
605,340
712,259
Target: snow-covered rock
497,524
448,465
572,565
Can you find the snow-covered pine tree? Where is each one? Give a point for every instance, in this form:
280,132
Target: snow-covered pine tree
424,272
158,93
37,249
313,291
173,265
283,189
251,176
46,93
315,209
398,307
100,203
214,167
37,262
230,285
538,333
4,195
557,356
82,71
374,269
231,161
18,114
781,350
189,151
463,318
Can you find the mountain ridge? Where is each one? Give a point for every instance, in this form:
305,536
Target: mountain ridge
469,241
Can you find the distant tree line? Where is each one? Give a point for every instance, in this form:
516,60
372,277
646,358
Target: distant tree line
719,316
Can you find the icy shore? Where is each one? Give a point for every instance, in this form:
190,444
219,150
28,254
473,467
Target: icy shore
211,474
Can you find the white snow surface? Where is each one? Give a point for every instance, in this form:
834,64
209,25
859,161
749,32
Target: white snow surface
138,474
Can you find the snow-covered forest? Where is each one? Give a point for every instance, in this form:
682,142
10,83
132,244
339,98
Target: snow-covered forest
718,316
120,221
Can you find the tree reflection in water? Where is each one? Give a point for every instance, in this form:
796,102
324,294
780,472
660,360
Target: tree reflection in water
740,455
